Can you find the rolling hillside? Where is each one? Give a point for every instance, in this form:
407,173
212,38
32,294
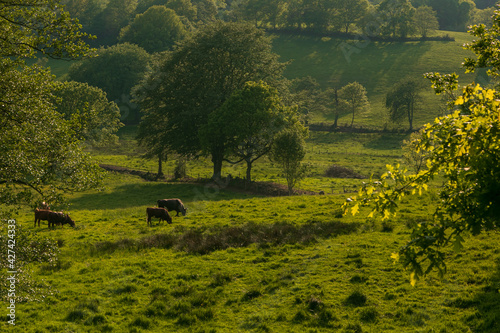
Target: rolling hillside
376,65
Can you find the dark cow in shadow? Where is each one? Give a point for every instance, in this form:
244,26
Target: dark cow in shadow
160,213
59,218
173,204
53,218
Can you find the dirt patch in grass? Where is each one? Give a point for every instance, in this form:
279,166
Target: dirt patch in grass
234,184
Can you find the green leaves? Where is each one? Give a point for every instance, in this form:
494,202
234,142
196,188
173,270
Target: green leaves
194,81
39,155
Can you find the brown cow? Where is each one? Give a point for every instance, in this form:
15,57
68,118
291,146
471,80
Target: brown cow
41,214
160,213
173,204
59,218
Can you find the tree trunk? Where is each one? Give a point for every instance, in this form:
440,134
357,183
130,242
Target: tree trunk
217,159
410,115
160,170
249,170
335,124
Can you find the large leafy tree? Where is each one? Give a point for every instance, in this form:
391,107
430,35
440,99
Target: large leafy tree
157,29
39,156
425,19
107,24
247,123
397,18
288,151
197,78
355,98
347,13
464,149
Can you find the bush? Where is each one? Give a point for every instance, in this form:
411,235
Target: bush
335,171
180,170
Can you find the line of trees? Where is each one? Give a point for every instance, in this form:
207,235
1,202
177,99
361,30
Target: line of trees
156,25
399,18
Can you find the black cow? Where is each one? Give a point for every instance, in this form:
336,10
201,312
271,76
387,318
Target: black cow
160,213
59,218
173,204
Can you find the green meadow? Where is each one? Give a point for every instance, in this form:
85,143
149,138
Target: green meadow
241,261
377,66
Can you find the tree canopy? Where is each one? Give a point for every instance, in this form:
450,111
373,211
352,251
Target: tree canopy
464,149
115,69
288,151
247,123
91,116
355,98
39,156
190,83
402,100
157,29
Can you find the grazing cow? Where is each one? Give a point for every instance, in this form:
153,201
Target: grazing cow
59,218
173,204
160,213
41,214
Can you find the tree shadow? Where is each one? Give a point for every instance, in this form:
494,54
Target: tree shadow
486,319
387,141
147,193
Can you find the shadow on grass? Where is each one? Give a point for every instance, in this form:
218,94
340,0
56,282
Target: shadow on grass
486,319
147,193
387,141
486,303
201,241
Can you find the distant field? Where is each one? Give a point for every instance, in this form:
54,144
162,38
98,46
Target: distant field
365,154
377,66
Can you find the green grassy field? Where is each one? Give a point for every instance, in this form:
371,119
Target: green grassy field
115,274
377,66
243,262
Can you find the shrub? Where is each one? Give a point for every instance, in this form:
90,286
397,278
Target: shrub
251,294
180,170
336,171
76,315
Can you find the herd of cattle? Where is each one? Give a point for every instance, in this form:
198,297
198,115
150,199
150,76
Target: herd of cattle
160,212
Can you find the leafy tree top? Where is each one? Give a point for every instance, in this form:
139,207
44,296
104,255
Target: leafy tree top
194,80
30,26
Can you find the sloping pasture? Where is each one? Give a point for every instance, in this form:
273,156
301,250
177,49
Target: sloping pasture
324,272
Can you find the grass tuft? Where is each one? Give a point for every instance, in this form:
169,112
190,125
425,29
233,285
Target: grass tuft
356,298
